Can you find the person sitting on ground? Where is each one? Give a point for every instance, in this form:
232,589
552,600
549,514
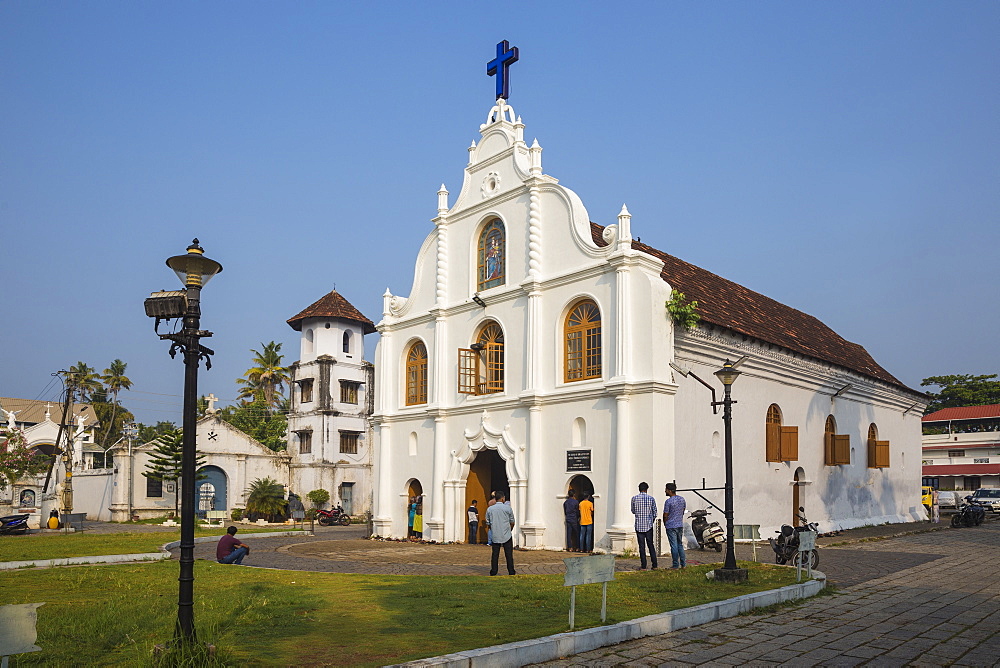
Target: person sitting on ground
230,550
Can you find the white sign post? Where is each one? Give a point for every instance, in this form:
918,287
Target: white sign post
807,543
589,570
17,630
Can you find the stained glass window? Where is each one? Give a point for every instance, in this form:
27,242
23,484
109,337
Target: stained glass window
492,256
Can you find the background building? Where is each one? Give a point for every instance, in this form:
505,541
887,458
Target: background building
961,448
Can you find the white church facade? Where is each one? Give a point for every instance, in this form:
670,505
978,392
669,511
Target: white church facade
534,354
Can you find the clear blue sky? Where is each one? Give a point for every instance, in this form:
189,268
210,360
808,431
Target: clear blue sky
839,157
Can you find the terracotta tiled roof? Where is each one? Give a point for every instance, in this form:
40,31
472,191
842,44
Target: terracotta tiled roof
961,469
332,305
31,411
964,413
727,304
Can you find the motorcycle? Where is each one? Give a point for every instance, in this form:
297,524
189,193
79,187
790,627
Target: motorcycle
14,525
707,533
970,513
328,518
786,544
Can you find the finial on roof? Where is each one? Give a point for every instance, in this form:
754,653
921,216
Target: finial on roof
442,200
535,158
624,227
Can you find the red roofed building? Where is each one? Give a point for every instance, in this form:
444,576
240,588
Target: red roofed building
961,448
329,438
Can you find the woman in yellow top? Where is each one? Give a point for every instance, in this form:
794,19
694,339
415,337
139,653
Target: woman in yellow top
587,524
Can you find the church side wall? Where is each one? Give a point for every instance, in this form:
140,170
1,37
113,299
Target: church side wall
835,496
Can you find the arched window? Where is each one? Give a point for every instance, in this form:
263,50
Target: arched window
781,443
347,341
492,256
878,451
583,342
836,447
416,374
481,367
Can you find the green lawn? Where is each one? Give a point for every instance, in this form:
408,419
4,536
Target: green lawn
112,615
60,545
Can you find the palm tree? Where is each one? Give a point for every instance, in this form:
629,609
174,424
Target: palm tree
115,381
84,379
266,497
267,378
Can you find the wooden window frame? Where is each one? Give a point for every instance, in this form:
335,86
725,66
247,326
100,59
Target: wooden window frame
482,368
878,451
349,391
349,440
582,342
836,447
416,374
781,442
305,441
481,282
306,391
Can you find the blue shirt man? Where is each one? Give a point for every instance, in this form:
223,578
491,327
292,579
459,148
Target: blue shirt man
500,519
644,509
673,522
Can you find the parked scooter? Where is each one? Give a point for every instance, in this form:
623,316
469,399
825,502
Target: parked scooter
970,513
14,525
786,545
328,518
708,534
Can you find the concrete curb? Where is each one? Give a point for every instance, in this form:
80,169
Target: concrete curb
77,561
123,558
553,647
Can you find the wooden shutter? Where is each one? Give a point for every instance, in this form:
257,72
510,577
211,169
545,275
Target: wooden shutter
772,444
842,449
494,368
882,454
829,457
468,371
871,454
789,444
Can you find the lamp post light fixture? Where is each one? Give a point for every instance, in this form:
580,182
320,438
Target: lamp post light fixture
194,270
729,571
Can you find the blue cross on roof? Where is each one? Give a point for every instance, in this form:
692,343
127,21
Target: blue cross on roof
498,66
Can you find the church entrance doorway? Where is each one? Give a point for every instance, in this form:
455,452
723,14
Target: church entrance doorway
580,484
414,490
487,473
211,484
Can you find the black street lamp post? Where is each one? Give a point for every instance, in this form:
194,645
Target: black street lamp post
729,572
194,270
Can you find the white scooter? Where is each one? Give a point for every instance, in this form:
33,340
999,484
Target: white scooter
708,534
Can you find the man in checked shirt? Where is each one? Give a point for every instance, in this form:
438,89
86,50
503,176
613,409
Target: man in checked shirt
644,509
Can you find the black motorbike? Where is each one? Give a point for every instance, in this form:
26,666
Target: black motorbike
13,525
971,513
786,544
329,518
708,534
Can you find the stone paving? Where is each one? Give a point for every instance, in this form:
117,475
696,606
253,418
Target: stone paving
933,601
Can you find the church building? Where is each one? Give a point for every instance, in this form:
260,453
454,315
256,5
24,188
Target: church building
534,353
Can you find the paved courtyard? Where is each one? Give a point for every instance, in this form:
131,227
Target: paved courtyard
936,604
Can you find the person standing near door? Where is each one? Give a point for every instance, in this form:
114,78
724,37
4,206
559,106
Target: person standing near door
500,520
571,514
644,509
587,524
473,514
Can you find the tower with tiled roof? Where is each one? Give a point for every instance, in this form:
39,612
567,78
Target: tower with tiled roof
329,437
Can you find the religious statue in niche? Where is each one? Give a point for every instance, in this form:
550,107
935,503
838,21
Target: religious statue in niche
491,256
27,498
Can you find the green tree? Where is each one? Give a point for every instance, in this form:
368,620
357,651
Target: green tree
114,380
259,421
149,433
16,460
266,497
85,381
267,379
318,497
111,421
167,461
962,390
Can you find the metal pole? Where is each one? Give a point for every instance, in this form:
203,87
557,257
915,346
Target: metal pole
185,600
572,607
727,417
